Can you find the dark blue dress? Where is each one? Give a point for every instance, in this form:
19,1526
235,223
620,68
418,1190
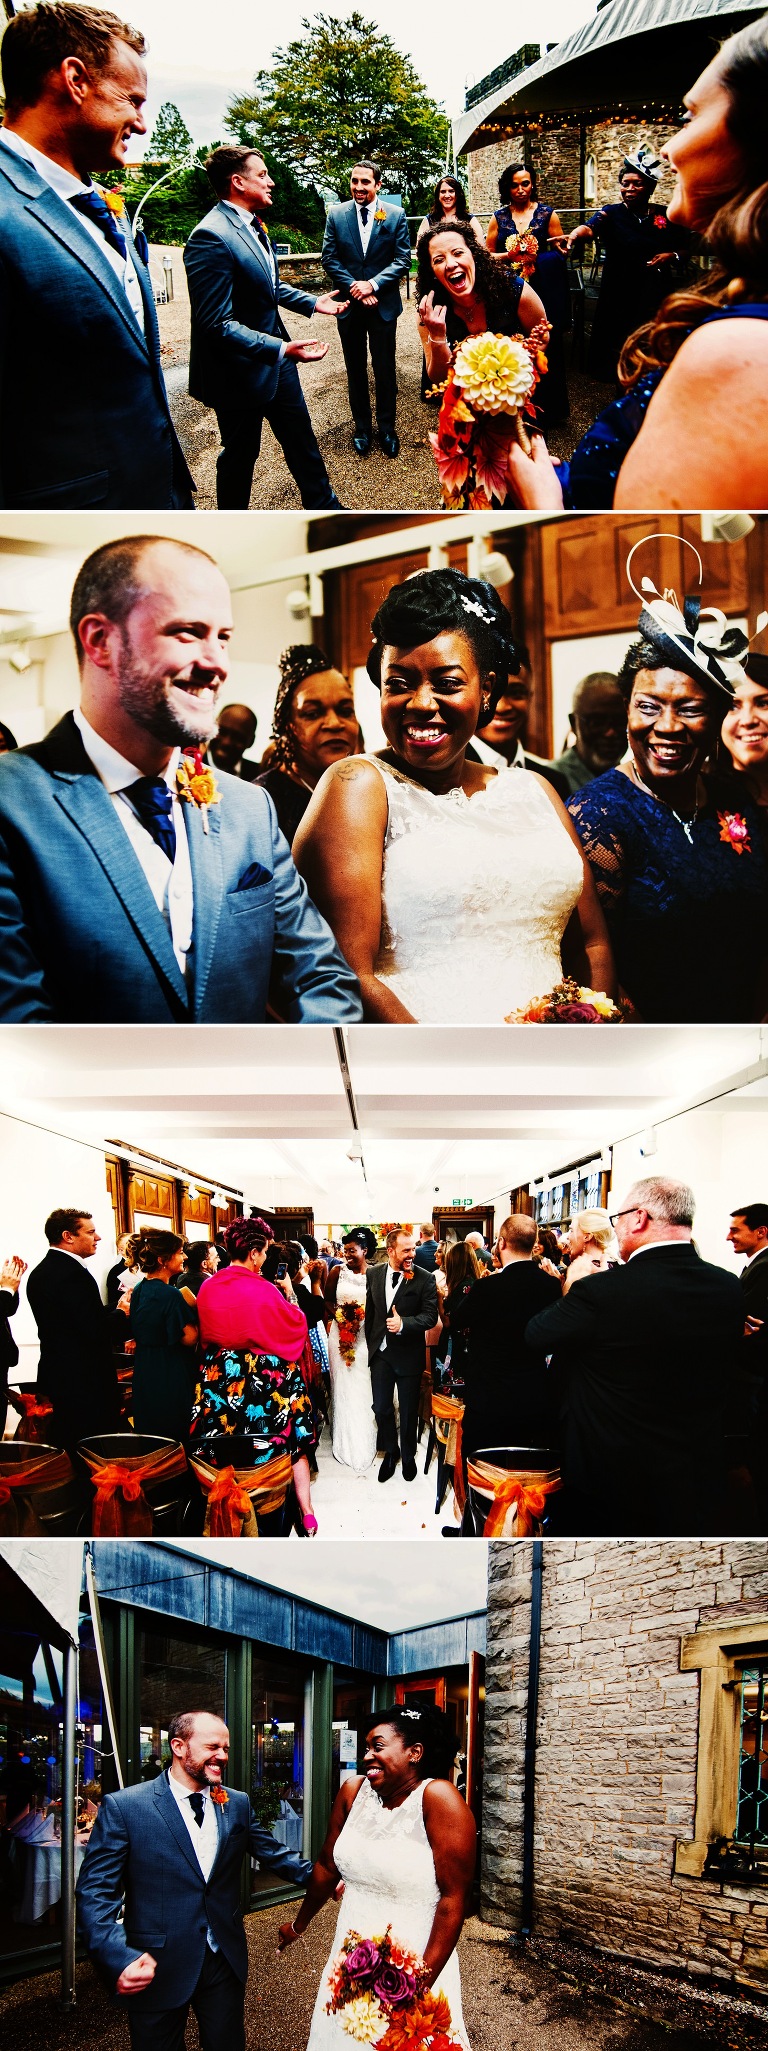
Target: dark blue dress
686,912
550,280
630,293
589,480
164,1370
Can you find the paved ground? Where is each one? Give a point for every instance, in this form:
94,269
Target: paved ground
409,483
513,2001
349,1505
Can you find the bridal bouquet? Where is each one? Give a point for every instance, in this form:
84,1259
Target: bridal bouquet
489,387
570,1003
348,1319
524,251
380,1995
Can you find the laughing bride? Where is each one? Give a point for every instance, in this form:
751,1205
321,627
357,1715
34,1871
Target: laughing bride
457,894
402,1839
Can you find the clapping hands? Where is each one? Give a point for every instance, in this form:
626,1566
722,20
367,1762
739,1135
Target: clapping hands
12,1272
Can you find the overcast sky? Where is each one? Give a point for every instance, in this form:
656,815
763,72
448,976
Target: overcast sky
198,59
393,1584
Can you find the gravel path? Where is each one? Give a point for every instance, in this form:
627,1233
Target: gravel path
513,2001
372,483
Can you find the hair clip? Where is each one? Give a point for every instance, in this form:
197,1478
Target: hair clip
471,605
412,1712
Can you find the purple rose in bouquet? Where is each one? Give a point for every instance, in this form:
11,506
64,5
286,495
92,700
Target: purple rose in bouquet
363,1963
394,1986
577,1014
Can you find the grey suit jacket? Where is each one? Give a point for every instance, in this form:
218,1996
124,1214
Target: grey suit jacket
82,939
84,417
237,330
140,1853
386,260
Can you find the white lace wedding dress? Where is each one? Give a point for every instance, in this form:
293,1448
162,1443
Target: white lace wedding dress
476,894
385,1859
354,1424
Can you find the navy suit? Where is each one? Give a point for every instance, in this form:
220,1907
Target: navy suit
77,1371
386,260
84,417
140,1851
82,939
235,362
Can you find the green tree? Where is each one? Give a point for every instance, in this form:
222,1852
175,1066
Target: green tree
340,92
170,141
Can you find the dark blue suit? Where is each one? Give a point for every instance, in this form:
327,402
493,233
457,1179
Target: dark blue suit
84,417
235,362
141,1852
386,260
82,939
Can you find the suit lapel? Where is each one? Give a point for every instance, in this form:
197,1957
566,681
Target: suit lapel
86,803
208,892
169,1810
62,222
221,1813
254,250
376,228
354,229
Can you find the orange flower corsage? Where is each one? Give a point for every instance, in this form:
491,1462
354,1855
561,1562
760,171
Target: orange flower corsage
220,1796
380,214
113,200
735,832
197,783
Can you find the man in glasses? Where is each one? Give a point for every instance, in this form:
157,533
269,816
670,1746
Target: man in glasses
599,722
645,1354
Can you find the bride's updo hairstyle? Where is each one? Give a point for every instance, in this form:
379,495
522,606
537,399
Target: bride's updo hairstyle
428,1727
244,1234
441,602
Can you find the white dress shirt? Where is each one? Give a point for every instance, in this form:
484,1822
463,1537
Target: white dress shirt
366,232
205,1835
494,757
68,188
170,884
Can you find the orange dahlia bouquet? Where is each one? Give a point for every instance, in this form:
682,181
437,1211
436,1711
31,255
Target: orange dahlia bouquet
381,1995
489,389
348,1319
524,251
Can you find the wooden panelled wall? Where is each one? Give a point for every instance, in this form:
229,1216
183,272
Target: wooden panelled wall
569,580
164,1197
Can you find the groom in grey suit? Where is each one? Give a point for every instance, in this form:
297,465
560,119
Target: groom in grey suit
84,419
366,251
171,1851
242,361
128,895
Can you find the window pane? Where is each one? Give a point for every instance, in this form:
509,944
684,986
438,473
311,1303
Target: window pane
277,1753
31,1736
752,1817
177,1671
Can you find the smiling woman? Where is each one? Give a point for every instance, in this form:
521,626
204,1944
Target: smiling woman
410,854
313,725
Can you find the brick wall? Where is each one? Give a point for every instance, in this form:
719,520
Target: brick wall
616,1750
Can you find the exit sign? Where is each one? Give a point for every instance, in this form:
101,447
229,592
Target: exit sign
461,1203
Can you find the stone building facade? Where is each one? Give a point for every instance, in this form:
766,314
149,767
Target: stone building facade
572,161
642,1663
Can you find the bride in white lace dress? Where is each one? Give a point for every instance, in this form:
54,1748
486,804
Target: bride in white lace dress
456,894
354,1423
403,1842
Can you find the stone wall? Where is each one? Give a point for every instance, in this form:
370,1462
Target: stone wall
555,155
616,1750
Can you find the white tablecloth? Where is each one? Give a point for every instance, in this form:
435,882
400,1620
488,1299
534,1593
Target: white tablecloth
41,1879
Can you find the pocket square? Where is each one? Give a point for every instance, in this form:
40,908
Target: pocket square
254,874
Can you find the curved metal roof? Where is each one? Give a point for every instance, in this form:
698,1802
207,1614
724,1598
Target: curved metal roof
589,70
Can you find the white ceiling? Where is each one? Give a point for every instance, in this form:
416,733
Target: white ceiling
442,1113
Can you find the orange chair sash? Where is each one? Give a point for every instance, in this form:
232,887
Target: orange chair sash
518,1500
120,1508
49,1470
234,1491
32,1414
447,1413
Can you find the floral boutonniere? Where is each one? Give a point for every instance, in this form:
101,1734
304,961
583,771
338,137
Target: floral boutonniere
735,832
113,200
220,1796
197,783
380,214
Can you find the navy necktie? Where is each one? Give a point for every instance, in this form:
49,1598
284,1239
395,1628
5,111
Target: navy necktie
153,803
197,1805
91,203
260,231
364,216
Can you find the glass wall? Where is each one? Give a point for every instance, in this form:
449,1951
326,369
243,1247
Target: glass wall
178,1669
31,1737
352,1698
277,1780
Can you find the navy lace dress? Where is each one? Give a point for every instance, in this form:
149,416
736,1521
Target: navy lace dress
589,480
550,280
630,294
687,910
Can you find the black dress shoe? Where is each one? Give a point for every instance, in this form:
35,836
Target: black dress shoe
390,444
388,1466
361,443
409,1470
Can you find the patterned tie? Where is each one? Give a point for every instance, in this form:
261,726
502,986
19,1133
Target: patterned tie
92,204
197,1805
364,216
153,804
260,231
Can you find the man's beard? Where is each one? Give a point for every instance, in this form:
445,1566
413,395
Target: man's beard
198,1773
144,697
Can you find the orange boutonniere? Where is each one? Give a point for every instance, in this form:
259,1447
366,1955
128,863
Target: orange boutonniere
220,1796
380,214
197,783
735,832
113,200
